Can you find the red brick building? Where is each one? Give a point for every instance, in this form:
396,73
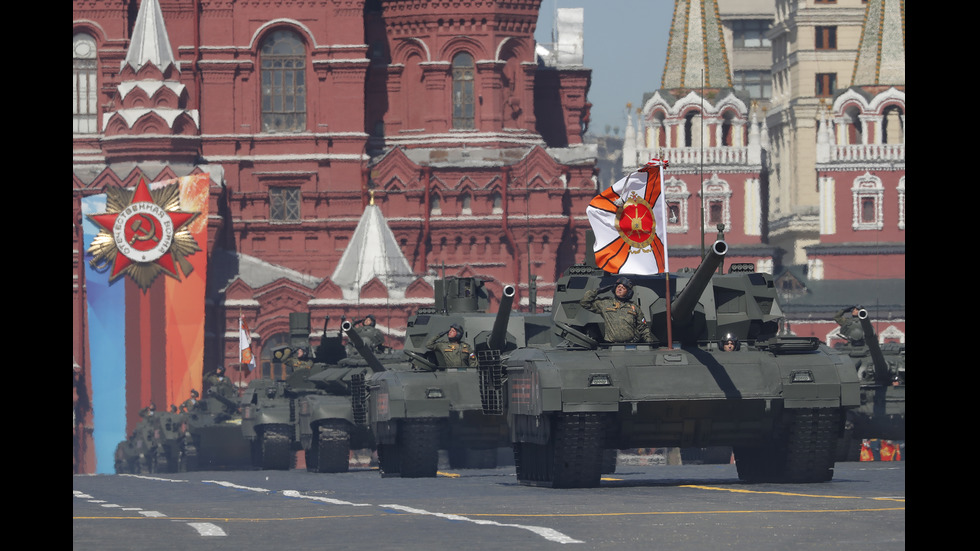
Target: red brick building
468,136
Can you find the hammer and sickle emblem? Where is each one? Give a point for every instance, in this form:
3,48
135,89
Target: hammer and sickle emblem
141,232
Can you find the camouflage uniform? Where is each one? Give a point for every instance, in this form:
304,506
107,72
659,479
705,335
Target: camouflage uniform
624,320
451,354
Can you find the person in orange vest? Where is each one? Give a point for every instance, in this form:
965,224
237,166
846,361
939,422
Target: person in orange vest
866,453
888,451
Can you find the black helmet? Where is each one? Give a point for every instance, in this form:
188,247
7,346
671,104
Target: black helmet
194,393
459,331
371,317
626,282
729,338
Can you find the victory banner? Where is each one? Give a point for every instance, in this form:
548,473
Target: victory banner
629,223
145,285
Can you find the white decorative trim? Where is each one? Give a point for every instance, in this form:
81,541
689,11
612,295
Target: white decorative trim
901,203
717,189
675,191
867,186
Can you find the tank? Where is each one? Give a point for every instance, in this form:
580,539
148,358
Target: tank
214,439
881,370
331,425
778,401
270,420
416,410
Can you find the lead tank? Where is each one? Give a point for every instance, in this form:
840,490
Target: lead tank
778,401
416,409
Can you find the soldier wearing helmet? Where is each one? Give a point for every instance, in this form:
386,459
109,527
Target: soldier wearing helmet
450,349
729,343
850,326
624,320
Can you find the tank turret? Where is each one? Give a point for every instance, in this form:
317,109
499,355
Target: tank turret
706,306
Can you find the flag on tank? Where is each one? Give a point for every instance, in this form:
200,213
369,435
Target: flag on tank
629,222
245,343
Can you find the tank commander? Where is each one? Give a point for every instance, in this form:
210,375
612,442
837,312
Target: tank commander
450,349
850,326
372,336
217,383
624,320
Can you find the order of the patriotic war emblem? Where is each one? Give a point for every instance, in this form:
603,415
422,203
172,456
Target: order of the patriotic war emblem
143,234
636,224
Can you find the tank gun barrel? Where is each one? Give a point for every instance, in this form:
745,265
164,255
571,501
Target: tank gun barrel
362,348
871,339
687,300
498,336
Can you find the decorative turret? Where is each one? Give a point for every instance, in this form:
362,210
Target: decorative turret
151,120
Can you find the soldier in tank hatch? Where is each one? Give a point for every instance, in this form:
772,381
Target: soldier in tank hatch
624,320
450,349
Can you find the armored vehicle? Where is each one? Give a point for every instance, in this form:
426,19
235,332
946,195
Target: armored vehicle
881,370
330,424
417,409
779,401
270,420
156,445
214,426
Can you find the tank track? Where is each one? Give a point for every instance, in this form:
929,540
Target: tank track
803,452
332,445
418,447
571,459
272,449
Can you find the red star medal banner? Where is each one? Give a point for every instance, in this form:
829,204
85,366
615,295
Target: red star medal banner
629,222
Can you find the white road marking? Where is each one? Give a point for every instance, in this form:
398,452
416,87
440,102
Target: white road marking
207,529
235,486
547,533
152,514
294,493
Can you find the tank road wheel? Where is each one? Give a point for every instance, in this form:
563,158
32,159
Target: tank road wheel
418,447
571,459
812,445
272,449
804,452
332,447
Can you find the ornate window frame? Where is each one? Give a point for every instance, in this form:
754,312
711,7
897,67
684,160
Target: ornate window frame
85,84
718,190
867,187
676,193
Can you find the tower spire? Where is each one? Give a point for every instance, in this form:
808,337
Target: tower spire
696,47
150,43
881,54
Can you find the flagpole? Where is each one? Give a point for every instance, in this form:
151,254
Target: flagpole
670,323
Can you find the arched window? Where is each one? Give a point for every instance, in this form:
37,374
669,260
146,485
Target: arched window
463,104
84,85
283,83
435,207
496,203
466,203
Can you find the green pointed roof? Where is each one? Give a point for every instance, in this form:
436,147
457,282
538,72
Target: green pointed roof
696,46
